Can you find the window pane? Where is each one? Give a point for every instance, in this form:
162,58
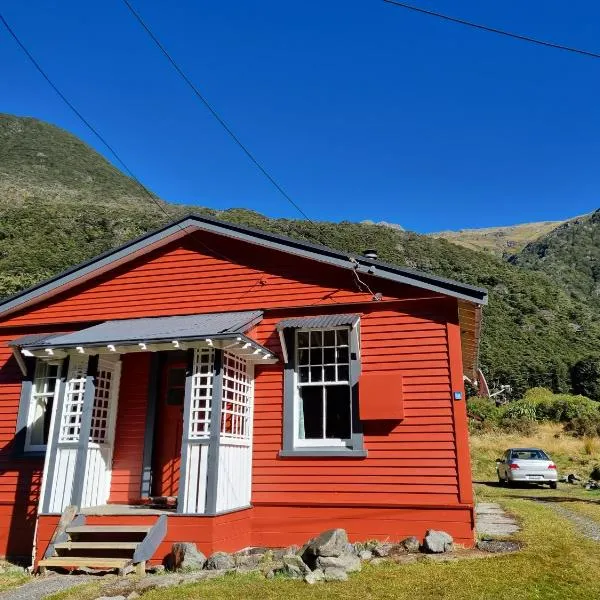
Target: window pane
338,411
342,337
342,355
329,338
303,357
37,425
316,338
343,374
311,413
316,357
330,373
328,356
316,374
302,339
303,373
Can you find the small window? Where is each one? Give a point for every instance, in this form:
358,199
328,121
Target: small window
323,399
43,394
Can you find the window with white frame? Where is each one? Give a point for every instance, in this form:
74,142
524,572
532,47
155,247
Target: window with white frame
202,390
43,393
323,398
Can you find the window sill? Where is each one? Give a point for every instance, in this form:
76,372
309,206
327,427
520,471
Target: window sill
323,452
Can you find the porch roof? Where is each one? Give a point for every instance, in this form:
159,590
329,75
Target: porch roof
153,333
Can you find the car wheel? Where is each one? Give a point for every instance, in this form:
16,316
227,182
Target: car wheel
553,485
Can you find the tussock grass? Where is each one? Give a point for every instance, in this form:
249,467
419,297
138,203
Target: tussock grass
571,455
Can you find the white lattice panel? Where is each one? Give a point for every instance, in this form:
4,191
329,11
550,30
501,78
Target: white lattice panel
236,405
70,424
202,389
102,405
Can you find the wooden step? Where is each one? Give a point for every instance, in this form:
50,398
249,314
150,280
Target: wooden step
109,529
96,562
97,545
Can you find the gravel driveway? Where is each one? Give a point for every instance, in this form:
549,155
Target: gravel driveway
40,587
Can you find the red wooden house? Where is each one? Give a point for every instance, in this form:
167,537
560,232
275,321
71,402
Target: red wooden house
212,383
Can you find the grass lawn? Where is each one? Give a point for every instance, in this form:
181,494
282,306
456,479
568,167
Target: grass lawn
557,562
11,580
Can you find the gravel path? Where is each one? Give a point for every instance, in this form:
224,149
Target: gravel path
587,526
40,587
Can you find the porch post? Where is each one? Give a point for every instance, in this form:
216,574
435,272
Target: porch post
214,443
53,434
187,411
84,431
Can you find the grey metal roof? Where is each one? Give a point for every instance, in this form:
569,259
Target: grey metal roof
346,260
32,339
321,321
153,330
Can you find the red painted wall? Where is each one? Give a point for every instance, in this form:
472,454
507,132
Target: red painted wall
419,462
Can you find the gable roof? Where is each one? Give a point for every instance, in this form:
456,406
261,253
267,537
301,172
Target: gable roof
181,227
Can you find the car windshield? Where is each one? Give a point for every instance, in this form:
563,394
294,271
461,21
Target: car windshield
528,454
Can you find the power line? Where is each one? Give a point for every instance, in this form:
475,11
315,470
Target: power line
85,121
516,36
212,111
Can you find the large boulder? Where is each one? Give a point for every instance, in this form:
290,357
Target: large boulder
185,555
220,561
333,542
348,562
294,567
437,542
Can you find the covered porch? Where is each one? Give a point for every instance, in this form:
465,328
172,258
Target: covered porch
194,455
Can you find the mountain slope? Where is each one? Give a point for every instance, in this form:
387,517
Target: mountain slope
571,254
499,241
61,208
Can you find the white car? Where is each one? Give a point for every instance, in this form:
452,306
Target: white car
526,465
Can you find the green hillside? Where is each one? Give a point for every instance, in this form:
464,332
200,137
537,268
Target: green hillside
61,203
571,254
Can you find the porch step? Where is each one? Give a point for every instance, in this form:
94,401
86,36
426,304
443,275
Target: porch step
97,562
109,529
122,547
96,545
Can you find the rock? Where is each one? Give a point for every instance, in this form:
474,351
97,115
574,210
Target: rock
156,569
158,581
333,542
258,550
293,549
111,598
498,546
249,561
335,574
438,541
200,576
365,555
382,550
185,555
314,576
378,560
220,561
411,544
347,562
133,596
294,566
269,569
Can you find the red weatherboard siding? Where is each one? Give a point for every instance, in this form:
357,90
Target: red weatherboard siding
417,473
130,427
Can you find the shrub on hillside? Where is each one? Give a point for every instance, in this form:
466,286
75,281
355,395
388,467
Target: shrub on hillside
585,377
563,408
482,409
521,426
522,410
584,426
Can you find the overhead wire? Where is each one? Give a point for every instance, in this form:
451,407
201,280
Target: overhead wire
489,29
211,109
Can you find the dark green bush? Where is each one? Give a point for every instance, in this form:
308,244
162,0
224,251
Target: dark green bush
522,426
482,410
584,426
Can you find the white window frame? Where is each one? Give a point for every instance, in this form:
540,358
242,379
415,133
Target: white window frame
36,395
323,442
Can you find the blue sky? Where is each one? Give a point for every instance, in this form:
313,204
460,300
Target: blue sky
359,109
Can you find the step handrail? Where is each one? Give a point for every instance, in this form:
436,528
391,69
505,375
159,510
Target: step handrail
149,545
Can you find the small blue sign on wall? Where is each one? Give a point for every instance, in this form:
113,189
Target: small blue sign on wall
458,395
